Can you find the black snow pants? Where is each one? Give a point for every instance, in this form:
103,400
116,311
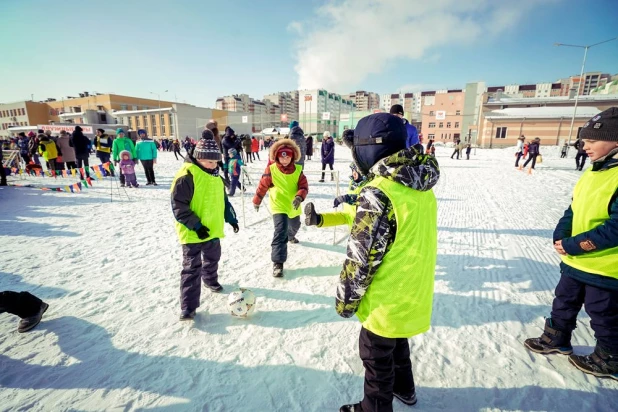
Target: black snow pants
531,157
22,304
580,160
285,229
388,369
149,170
200,262
600,304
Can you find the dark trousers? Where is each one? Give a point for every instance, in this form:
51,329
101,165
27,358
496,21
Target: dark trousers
149,170
253,154
226,162
51,164
332,177
600,304
235,183
531,157
200,262
388,369
22,304
176,153
83,161
71,165
519,156
285,229
2,174
26,158
467,155
563,155
580,160
456,152
248,156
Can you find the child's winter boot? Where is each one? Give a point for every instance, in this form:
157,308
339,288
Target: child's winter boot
187,314
312,218
278,270
599,363
408,399
551,341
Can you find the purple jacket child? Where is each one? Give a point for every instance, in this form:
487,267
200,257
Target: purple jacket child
127,166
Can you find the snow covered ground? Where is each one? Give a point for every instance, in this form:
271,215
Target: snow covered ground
111,339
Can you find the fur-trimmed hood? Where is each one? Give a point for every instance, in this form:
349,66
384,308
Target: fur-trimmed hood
284,143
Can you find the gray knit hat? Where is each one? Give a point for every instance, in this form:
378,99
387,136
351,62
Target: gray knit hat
206,148
603,126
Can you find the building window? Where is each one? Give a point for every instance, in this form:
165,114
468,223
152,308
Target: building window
154,130
456,125
145,120
432,136
123,107
432,125
153,120
163,130
138,118
134,107
457,112
448,125
501,133
130,123
441,125
432,113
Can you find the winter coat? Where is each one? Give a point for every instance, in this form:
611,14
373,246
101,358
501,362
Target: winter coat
120,144
533,148
127,167
103,144
234,166
146,149
298,136
246,144
579,145
309,142
520,146
602,238
230,141
266,182
396,201
47,148
412,134
64,146
328,151
33,145
255,145
81,144
192,213
22,144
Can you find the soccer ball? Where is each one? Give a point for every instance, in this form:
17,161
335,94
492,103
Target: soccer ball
241,303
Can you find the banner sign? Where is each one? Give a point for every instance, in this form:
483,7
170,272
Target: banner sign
54,128
440,115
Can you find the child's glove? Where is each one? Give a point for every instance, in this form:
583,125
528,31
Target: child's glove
256,207
236,228
296,202
202,232
349,199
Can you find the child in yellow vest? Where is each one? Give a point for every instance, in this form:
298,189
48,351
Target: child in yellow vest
201,207
287,187
586,238
48,149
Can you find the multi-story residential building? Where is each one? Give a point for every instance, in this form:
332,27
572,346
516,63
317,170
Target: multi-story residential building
320,111
22,113
365,100
591,81
609,88
234,103
288,103
263,113
442,114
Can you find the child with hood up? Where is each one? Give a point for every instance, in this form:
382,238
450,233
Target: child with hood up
287,188
127,166
234,169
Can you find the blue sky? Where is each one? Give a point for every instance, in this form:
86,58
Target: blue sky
199,50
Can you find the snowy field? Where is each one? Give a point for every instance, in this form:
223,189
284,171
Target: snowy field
111,339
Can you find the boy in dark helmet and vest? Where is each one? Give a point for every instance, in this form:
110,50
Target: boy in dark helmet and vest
200,207
388,275
586,238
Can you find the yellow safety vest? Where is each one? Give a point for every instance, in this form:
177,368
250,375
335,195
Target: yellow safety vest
591,198
50,152
399,300
283,191
208,203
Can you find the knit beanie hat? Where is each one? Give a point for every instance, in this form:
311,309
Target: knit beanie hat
232,152
285,151
293,124
140,131
119,130
603,126
206,148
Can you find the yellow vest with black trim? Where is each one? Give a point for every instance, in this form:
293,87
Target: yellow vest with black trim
283,191
399,300
208,203
50,152
102,148
591,198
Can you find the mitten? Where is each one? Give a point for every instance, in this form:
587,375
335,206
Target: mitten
236,228
202,232
296,202
349,199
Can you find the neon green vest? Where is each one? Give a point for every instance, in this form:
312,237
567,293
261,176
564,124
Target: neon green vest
50,151
208,204
398,302
591,198
283,192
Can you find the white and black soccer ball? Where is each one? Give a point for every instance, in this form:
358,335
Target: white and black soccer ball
241,303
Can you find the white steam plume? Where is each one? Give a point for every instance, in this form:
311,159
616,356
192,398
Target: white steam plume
351,39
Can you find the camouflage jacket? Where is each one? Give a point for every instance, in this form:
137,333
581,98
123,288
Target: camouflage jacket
375,225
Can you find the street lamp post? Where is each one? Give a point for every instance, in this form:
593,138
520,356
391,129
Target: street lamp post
585,47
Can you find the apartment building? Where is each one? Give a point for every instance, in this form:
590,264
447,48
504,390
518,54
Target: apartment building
288,102
263,113
364,100
320,111
442,114
22,113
